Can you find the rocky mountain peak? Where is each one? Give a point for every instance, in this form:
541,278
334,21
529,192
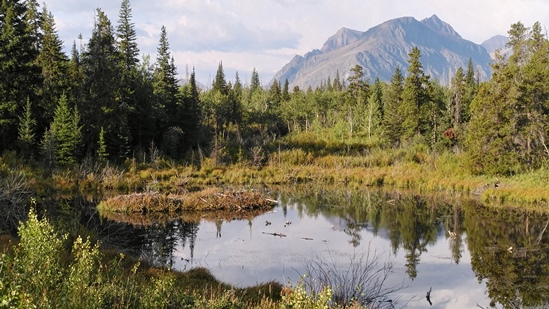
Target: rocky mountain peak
436,24
342,37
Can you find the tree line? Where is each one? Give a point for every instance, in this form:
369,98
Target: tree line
103,101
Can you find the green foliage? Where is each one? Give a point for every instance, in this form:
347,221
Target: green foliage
19,74
66,133
298,298
414,107
27,127
37,262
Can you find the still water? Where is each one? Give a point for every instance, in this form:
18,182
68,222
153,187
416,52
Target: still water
468,255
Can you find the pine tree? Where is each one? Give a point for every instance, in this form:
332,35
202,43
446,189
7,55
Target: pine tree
470,91
101,102
27,127
275,96
255,83
286,91
33,21
235,98
127,46
19,74
375,110
66,133
392,113
357,94
165,83
191,113
127,37
102,153
220,84
143,123
457,90
54,65
414,98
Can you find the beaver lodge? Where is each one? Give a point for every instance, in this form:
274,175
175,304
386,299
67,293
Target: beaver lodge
212,199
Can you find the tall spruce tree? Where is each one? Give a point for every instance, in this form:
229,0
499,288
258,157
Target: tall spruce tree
19,74
191,112
66,133
414,98
457,94
127,46
357,95
392,100
54,64
165,83
26,133
99,106
375,110
255,84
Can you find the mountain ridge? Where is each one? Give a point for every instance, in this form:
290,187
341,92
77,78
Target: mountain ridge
382,48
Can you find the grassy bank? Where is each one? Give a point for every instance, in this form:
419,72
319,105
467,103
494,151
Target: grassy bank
403,169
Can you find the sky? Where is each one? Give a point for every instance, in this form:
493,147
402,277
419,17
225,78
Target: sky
267,34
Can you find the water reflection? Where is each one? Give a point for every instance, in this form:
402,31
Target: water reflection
468,254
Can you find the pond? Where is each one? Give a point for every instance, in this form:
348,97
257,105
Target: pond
468,255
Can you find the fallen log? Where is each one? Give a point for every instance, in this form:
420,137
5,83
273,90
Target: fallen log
275,234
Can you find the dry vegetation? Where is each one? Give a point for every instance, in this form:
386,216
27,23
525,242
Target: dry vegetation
232,204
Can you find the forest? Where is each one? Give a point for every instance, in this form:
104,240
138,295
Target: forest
103,103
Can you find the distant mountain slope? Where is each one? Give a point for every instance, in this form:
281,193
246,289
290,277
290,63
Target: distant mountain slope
382,48
497,42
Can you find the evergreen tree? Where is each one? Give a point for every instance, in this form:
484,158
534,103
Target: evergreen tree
165,83
102,153
143,122
275,96
286,91
19,74
469,92
357,94
127,38
392,100
414,98
75,73
127,46
54,65
338,86
220,84
375,109
456,110
235,98
255,83
33,21
100,105
66,133
191,112
27,127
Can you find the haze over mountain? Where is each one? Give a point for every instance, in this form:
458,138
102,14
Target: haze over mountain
497,42
382,48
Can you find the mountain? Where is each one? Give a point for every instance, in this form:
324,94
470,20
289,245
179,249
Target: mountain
497,42
382,48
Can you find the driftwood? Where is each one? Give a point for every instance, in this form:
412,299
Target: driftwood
275,234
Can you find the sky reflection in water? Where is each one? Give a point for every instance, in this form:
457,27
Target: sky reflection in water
242,254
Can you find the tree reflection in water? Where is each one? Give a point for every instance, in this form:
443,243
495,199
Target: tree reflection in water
508,248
